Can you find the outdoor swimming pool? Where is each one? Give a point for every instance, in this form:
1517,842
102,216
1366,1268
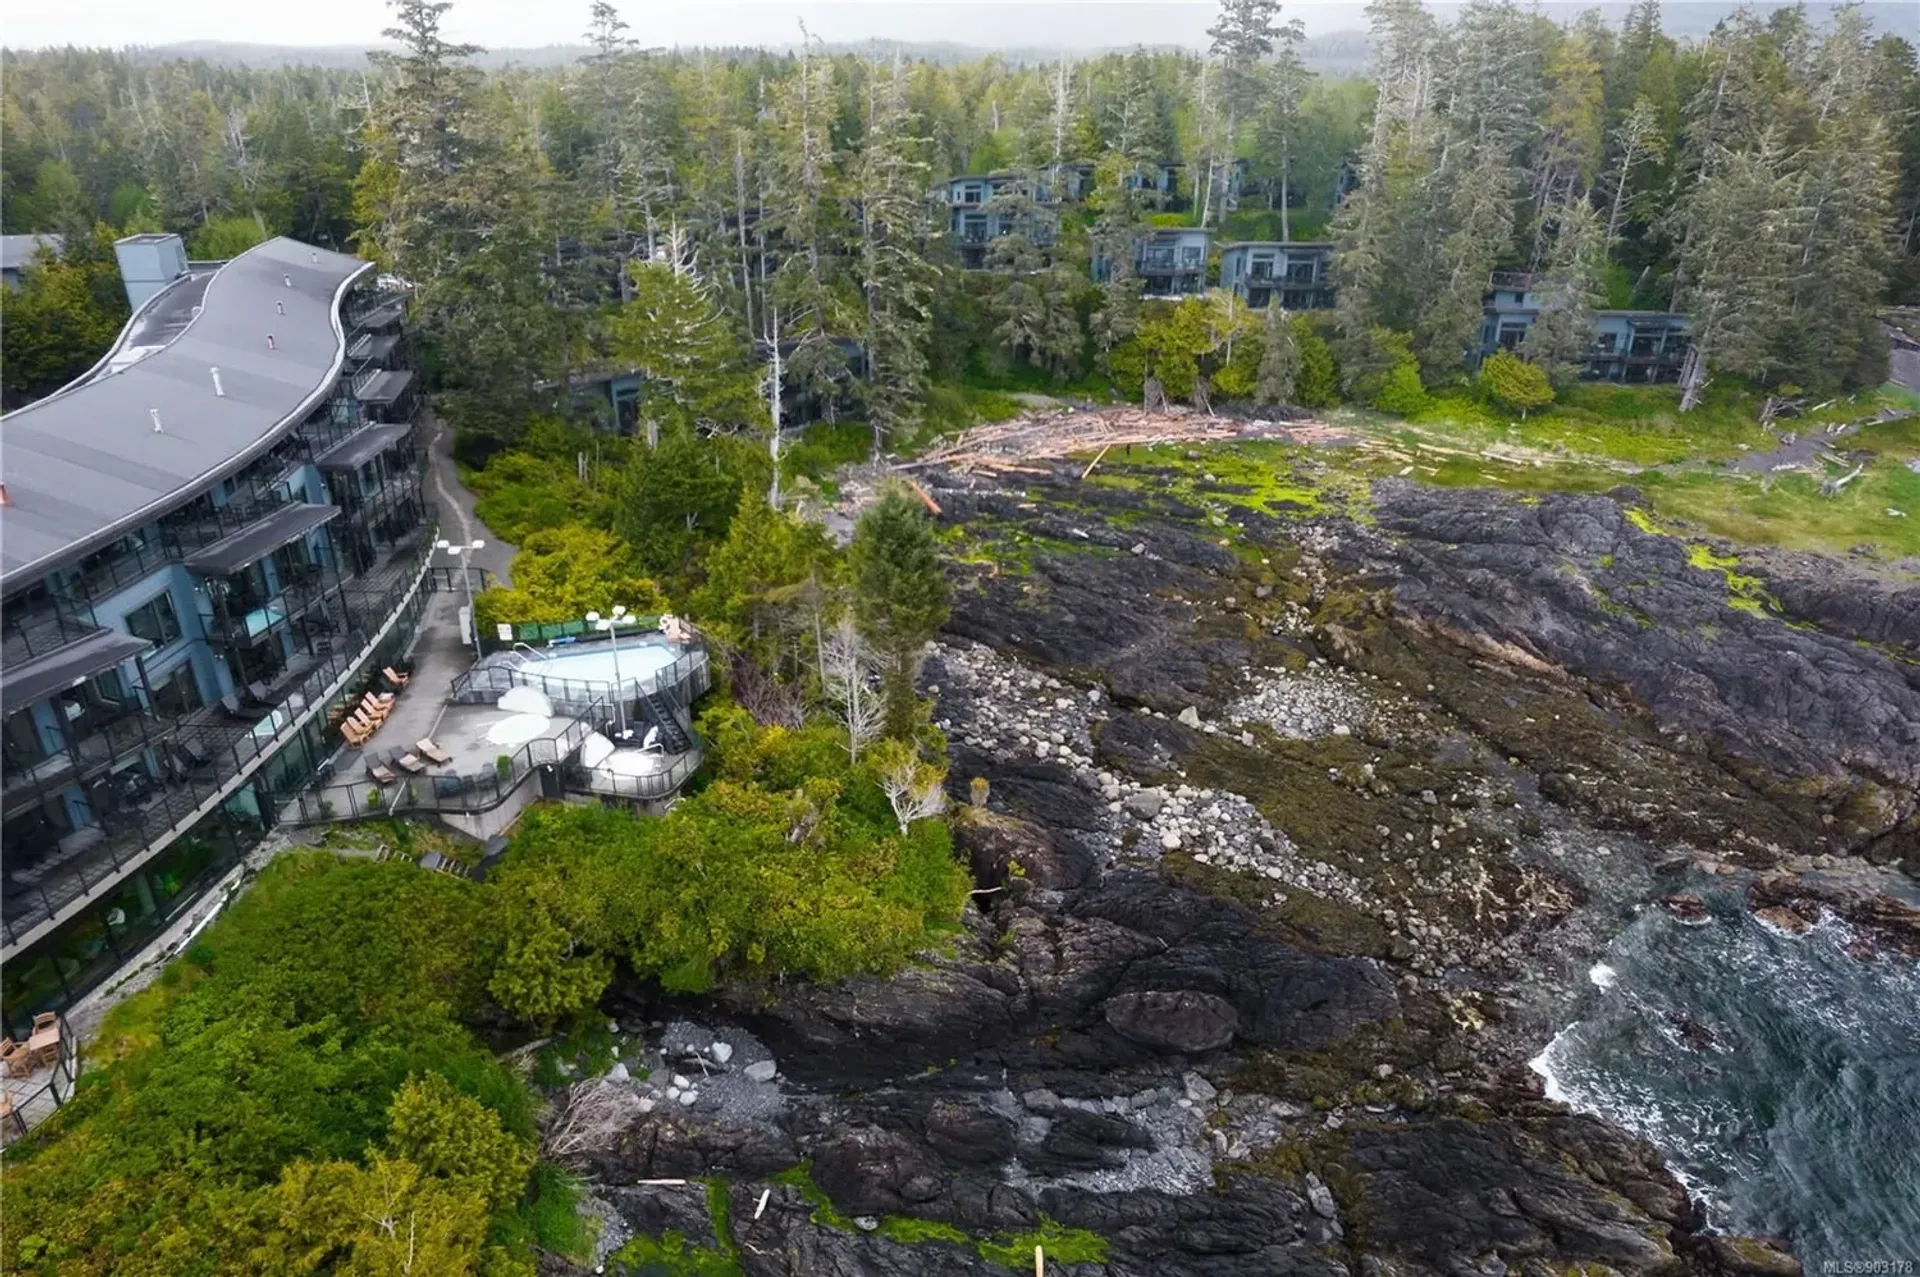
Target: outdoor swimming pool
634,660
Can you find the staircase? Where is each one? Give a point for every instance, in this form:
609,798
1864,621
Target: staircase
660,711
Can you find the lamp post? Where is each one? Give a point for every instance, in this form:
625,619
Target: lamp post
611,624
461,552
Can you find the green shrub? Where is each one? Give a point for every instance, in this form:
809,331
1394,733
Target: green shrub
1317,385
1515,384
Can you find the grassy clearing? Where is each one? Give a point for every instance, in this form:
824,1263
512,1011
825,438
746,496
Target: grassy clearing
1632,425
1791,513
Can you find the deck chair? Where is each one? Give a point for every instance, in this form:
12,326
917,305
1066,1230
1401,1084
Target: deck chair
362,721
426,746
395,676
355,734
409,761
381,772
373,710
231,704
258,694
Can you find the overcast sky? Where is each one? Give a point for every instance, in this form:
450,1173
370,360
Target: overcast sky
508,24
519,24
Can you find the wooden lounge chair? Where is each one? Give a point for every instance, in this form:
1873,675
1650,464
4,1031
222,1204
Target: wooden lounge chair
395,676
426,746
354,734
362,721
410,761
381,772
372,710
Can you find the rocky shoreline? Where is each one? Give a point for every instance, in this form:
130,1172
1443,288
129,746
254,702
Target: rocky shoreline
1296,833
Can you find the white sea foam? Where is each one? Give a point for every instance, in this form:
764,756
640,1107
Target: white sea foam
1543,1065
1603,976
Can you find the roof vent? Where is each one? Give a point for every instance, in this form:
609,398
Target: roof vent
314,258
155,414
287,280
279,308
5,500
219,391
270,345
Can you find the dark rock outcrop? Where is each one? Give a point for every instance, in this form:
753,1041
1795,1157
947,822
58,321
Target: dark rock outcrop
1181,1020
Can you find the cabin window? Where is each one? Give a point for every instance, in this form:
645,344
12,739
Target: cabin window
1191,255
1511,335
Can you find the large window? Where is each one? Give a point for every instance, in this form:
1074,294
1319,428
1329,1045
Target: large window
178,694
155,620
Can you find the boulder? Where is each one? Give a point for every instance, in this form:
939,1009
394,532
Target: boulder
869,1171
1006,852
1173,1020
968,1134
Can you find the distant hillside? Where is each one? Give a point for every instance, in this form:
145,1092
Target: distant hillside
1333,46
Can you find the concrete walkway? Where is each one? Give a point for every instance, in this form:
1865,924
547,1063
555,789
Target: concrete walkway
458,523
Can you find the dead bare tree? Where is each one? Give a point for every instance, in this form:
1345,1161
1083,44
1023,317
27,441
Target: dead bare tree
914,788
847,668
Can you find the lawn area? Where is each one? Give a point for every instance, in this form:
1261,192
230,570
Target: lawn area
1791,512
1632,425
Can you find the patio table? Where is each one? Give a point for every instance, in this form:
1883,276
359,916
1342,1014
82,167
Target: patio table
46,1040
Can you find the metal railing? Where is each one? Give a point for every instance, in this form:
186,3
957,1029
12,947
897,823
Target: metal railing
33,1102
475,792
609,784
216,771
690,671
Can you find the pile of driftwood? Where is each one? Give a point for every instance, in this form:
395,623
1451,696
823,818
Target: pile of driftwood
1013,446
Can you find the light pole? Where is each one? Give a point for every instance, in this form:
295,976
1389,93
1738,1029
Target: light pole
612,626
461,552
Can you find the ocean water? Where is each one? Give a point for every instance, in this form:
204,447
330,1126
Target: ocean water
1779,1075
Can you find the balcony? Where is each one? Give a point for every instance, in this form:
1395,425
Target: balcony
209,754
100,737
36,627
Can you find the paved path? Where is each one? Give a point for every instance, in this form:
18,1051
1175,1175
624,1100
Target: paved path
1904,363
458,522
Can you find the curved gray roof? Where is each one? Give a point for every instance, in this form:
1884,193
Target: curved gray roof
84,466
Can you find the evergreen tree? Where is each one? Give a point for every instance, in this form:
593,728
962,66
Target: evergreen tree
894,275
1285,88
1118,219
694,367
899,596
1243,35
1736,277
1638,141
1318,384
1279,358
1567,290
